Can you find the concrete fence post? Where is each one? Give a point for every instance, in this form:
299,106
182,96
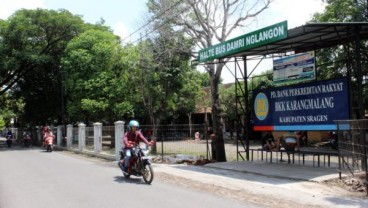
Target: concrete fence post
81,136
39,134
97,137
119,134
69,135
59,135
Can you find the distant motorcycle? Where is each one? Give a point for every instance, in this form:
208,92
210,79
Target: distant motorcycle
49,144
27,140
140,164
9,140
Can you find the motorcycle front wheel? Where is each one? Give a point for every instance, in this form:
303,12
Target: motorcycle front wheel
147,173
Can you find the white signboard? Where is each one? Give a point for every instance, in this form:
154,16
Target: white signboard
292,69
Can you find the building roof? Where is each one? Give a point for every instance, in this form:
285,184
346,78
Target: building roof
312,36
309,37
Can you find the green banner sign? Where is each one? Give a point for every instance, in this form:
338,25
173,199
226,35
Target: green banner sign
242,43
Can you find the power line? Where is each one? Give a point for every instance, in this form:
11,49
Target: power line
154,18
156,28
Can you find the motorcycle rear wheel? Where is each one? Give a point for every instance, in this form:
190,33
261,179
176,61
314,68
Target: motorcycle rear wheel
147,173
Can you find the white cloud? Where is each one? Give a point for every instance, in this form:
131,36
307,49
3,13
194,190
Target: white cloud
296,12
121,31
7,7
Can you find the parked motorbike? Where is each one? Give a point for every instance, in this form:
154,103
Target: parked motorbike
49,144
139,164
9,141
27,140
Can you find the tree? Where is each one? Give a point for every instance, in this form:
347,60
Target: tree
164,67
97,77
189,95
208,22
339,61
2,123
228,96
32,44
9,108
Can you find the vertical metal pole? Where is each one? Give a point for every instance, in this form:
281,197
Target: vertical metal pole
246,105
348,74
236,111
360,92
339,150
206,136
359,74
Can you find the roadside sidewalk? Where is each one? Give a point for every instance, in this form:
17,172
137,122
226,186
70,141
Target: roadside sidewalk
271,185
280,170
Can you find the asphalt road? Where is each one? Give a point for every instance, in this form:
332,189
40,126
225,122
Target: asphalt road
31,177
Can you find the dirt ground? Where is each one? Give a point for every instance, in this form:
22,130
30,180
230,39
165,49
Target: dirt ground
237,195
356,185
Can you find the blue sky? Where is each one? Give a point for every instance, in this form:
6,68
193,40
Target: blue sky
126,16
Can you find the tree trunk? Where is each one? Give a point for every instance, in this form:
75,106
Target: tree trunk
154,123
190,124
216,113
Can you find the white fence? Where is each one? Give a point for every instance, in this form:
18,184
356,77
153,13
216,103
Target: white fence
97,140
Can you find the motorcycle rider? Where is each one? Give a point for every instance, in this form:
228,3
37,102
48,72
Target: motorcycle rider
131,138
26,138
47,136
9,138
9,134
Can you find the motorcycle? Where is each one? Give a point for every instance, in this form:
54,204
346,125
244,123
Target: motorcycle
49,144
139,164
27,140
9,141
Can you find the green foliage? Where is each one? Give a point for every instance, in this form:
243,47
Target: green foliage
95,72
232,107
2,123
166,79
33,42
343,11
262,81
332,61
336,61
190,92
49,58
9,108
205,79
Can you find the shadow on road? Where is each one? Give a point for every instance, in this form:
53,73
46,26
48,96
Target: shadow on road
131,180
14,147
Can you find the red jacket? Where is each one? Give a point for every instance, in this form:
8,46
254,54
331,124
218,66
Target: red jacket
48,136
134,137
